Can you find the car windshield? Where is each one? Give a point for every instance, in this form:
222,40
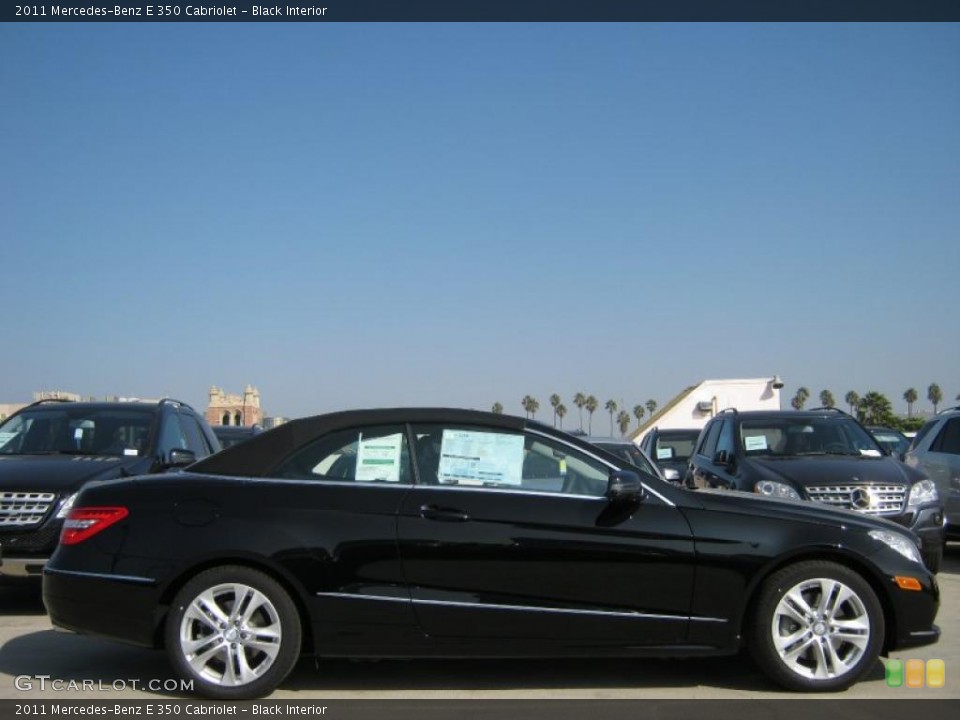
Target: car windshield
791,437
631,453
676,446
891,441
65,430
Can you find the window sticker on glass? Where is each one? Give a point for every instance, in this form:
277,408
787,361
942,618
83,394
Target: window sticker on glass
664,453
476,458
755,442
871,453
379,458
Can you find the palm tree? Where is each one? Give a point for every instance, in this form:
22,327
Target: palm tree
527,400
561,410
638,413
580,400
935,396
554,401
911,397
651,406
497,409
852,399
826,399
591,404
875,409
800,399
611,407
623,420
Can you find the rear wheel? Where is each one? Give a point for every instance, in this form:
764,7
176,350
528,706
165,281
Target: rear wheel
235,632
818,626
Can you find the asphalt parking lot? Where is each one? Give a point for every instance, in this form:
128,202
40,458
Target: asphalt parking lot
30,647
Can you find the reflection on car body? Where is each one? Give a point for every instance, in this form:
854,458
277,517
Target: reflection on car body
453,533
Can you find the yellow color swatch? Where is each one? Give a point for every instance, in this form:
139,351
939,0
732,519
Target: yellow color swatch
936,673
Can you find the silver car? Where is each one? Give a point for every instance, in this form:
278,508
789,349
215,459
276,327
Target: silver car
936,451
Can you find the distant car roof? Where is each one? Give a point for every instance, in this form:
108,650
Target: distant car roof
608,440
825,413
97,405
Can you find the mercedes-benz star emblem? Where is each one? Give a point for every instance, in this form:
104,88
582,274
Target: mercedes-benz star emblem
861,498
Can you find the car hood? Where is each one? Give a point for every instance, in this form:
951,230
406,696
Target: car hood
797,510
815,470
60,472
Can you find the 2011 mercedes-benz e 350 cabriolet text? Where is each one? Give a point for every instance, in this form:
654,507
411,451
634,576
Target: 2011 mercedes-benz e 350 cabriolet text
453,533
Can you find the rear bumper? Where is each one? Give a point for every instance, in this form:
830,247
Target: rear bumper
22,567
24,552
118,607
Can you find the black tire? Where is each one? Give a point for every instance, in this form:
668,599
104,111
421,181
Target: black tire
257,636
933,557
794,651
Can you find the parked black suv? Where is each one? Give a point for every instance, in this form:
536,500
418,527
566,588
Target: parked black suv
822,455
52,447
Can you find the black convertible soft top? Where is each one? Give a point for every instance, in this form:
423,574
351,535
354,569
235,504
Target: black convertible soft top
259,455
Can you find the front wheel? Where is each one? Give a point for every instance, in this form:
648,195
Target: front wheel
233,631
818,626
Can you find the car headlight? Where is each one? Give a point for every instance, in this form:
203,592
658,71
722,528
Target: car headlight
901,543
922,493
775,490
66,505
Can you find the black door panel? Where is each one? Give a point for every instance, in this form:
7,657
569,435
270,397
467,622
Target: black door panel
552,567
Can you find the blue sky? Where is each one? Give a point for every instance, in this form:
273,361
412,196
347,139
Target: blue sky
366,215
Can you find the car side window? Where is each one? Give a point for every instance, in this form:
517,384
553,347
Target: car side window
504,460
172,436
924,431
194,435
709,447
362,455
725,443
948,441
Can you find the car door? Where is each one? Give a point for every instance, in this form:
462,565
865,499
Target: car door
709,468
341,494
508,535
942,465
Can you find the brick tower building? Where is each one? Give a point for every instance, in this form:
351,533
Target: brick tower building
227,409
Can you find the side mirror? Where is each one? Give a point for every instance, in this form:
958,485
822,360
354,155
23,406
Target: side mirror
671,475
623,486
179,457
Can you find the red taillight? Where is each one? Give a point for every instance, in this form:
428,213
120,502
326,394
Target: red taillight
85,522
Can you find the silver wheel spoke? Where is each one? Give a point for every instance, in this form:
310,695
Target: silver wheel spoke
257,601
793,601
827,590
786,643
246,672
842,596
199,662
820,657
205,609
839,664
